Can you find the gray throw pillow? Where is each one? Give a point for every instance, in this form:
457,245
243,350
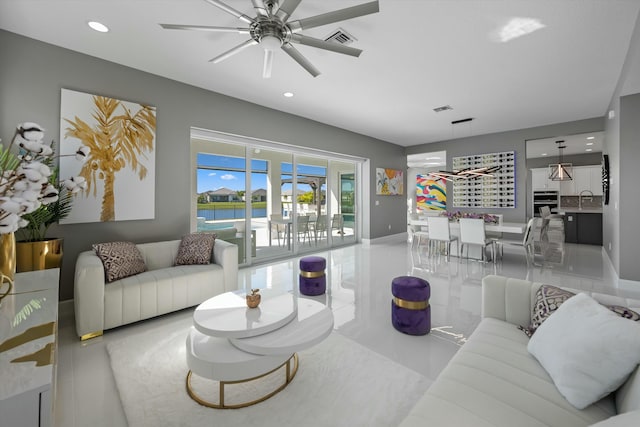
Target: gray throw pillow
195,249
120,259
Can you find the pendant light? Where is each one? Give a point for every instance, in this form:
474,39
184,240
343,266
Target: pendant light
561,171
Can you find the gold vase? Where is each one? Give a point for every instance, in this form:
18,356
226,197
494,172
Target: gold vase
8,255
40,255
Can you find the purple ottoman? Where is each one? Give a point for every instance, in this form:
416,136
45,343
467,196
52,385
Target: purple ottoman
410,310
312,278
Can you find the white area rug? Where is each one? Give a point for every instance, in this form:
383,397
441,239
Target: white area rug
339,383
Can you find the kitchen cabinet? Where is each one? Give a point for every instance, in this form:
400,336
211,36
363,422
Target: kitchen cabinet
540,180
581,227
584,178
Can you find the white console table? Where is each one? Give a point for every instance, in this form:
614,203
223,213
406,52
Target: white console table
28,339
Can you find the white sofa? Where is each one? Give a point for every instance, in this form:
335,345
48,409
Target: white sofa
493,380
163,288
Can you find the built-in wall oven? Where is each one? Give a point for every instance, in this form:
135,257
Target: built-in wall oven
545,198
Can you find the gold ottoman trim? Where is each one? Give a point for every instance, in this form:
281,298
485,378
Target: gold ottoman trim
411,305
311,274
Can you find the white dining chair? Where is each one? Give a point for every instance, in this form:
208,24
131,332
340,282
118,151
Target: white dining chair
527,243
472,234
337,223
555,223
319,227
280,228
439,232
304,229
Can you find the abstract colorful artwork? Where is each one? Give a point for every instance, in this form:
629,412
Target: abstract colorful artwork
389,182
431,194
120,168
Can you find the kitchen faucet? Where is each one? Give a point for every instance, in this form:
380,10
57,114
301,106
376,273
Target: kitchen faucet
580,198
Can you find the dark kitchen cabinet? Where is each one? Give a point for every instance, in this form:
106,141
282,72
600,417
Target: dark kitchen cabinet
590,228
571,227
585,228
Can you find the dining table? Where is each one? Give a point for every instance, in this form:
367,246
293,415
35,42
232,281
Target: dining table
504,227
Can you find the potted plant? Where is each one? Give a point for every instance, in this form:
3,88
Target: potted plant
32,198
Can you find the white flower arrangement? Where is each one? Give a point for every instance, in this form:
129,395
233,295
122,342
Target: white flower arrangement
28,183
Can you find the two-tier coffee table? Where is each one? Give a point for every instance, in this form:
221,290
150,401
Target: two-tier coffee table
231,343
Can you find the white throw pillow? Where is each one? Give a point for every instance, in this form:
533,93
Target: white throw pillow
588,350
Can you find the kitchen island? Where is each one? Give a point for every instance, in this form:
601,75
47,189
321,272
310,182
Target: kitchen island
582,225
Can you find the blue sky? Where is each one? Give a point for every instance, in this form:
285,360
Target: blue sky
208,179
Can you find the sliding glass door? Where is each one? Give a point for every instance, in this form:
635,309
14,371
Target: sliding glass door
344,218
274,229
273,202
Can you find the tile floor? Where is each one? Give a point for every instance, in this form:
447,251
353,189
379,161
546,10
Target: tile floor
359,280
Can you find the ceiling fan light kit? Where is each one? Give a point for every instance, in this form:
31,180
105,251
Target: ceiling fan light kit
272,30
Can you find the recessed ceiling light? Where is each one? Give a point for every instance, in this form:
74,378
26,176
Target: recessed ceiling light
589,149
544,154
518,27
288,94
95,25
591,137
589,143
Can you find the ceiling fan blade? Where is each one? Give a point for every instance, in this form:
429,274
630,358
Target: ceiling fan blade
321,44
297,56
241,16
287,9
205,28
260,8
335,16
233,51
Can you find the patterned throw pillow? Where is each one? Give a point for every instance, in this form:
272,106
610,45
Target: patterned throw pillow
195,249
549,298
120,259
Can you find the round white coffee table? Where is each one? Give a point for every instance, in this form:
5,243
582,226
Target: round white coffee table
231,343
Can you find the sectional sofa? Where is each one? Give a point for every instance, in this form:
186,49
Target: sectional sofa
494,381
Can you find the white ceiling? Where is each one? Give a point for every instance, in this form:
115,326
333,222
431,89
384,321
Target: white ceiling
418,55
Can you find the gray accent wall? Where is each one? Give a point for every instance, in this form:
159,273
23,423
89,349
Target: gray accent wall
33,72
629,195
622,145
506,141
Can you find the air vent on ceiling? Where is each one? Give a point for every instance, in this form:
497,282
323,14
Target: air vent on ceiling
340,36
443,108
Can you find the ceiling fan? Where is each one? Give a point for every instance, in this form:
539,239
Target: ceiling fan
271,30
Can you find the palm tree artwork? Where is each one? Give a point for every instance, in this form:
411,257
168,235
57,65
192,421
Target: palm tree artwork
119,138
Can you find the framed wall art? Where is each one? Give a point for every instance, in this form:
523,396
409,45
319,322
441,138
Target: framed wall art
496,190
389,182
120,168
431,194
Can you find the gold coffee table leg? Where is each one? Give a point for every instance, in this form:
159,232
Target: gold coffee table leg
289,375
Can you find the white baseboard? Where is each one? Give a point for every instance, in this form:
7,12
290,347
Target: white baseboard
391,238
